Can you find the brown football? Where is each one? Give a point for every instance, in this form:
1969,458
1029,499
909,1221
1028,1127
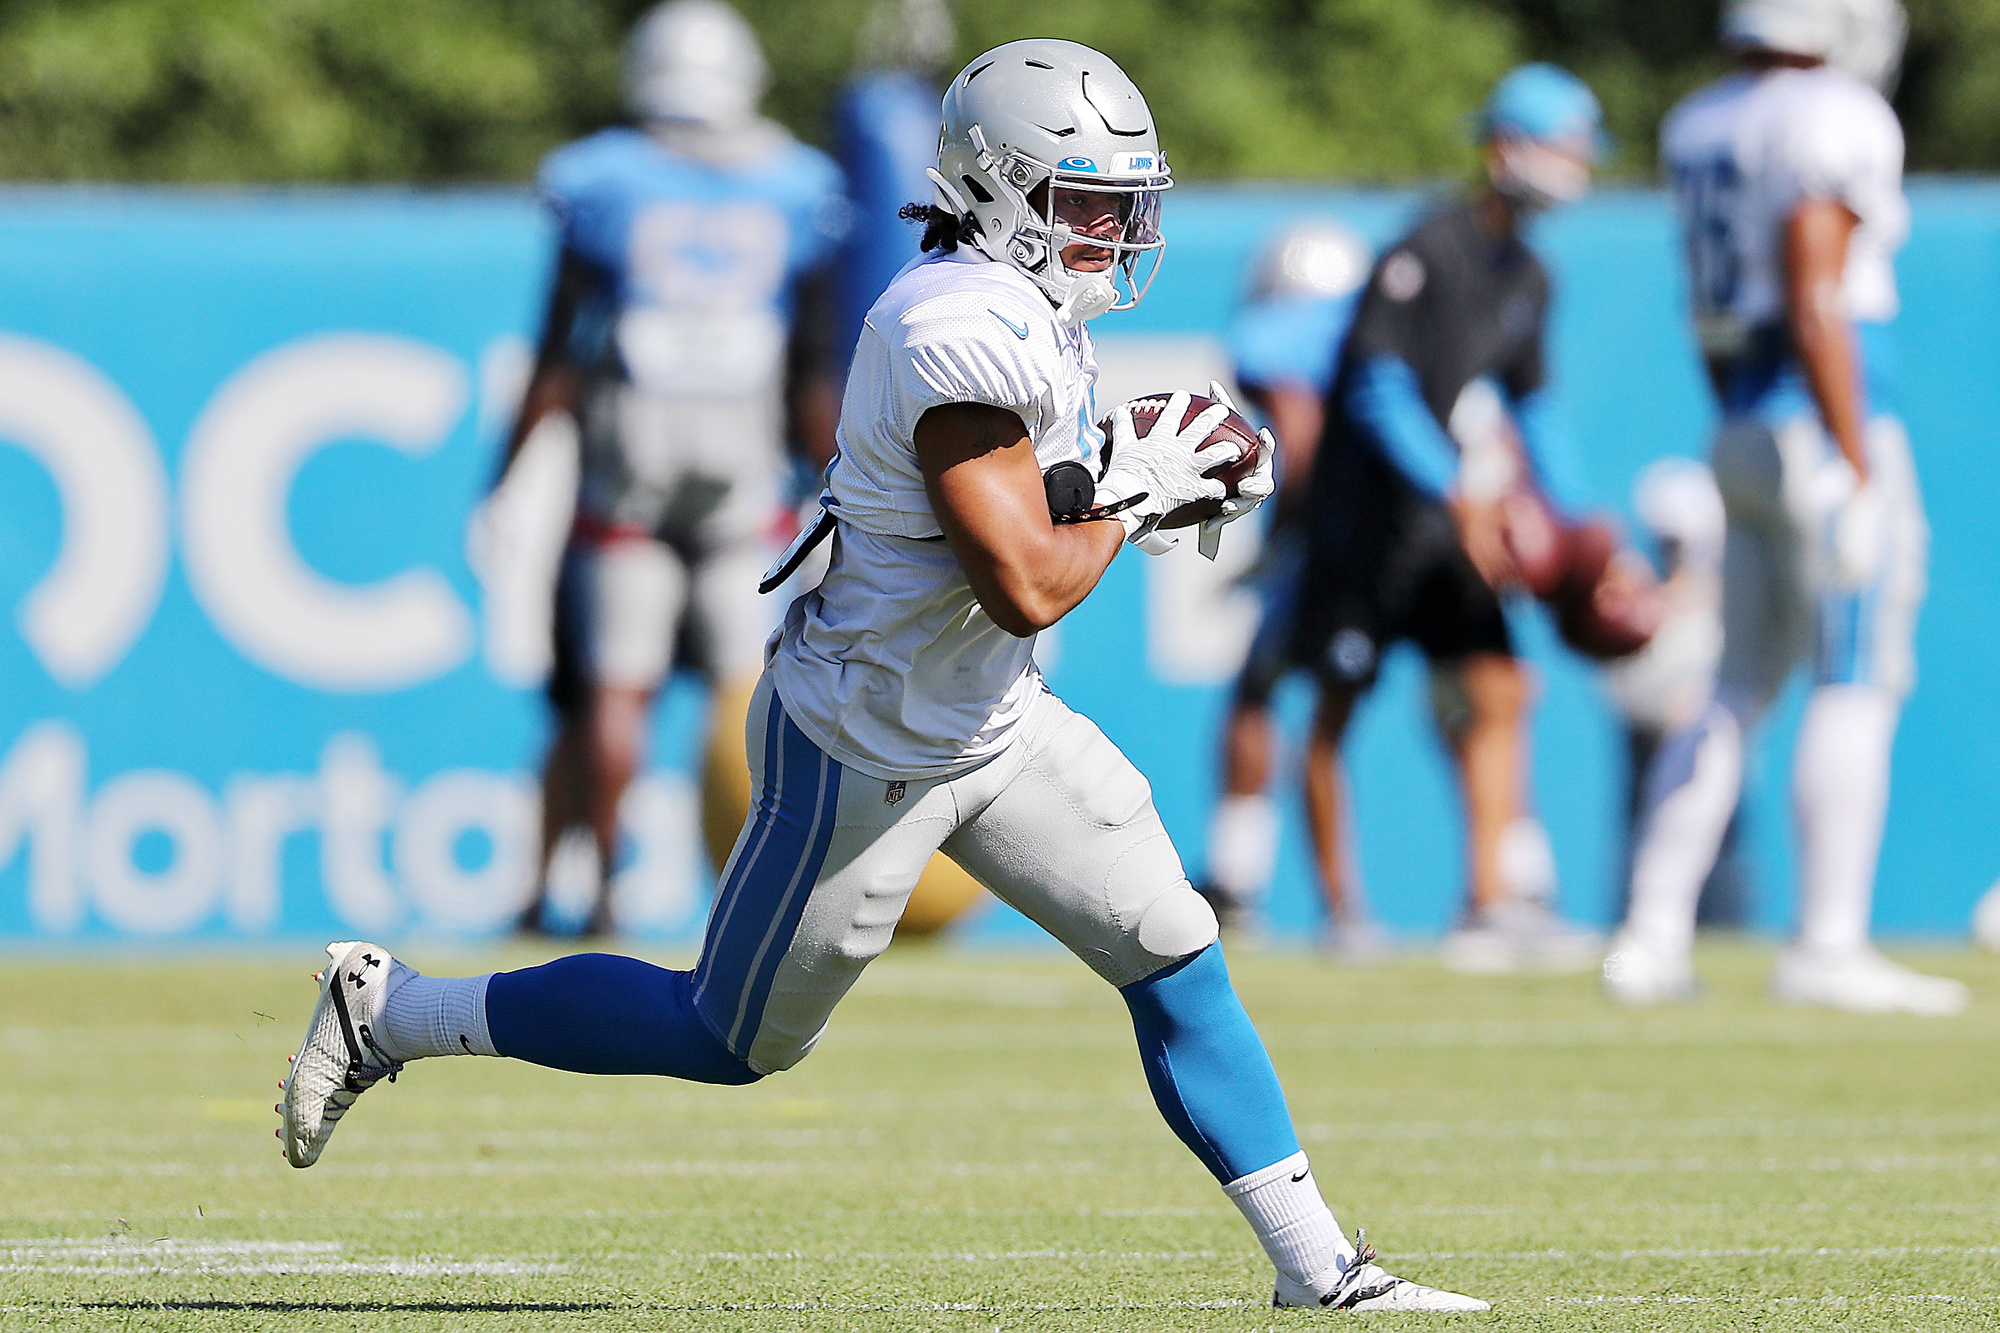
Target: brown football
1231,429
1605,600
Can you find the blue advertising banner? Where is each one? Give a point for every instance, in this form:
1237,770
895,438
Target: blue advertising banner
268,669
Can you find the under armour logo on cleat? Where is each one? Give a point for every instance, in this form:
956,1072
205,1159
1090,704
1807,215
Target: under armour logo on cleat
896,790
1018,330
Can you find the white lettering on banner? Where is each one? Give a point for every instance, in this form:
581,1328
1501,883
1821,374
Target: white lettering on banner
448,895
236,478
230,855
41,803
183,892
660,814
96,599
514,543
263,811
357,798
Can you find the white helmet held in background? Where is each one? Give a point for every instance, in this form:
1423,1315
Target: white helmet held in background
694,61
1316,258
1862,37
1034,116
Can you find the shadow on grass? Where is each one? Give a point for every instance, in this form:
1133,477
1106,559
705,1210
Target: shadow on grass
361,1307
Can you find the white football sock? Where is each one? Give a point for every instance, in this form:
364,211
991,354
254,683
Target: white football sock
1292,1222
1691,791
1840,796
1527,862
435,1015
1242,845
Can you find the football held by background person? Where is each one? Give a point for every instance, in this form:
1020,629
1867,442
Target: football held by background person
1788,174
901,710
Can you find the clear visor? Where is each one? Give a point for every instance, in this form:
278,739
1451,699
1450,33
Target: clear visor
1115,221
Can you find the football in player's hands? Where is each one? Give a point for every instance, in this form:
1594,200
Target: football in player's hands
1606,601
1232,429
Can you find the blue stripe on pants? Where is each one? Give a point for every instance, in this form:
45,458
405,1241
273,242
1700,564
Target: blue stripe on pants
765,890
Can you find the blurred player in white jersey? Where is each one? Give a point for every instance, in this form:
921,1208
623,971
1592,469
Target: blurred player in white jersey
1788,174
689,332
901,711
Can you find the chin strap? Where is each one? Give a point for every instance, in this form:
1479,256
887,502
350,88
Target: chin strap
1088,298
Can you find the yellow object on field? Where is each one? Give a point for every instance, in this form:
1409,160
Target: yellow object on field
944,891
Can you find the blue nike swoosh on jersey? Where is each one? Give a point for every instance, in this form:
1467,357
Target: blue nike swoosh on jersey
1018,330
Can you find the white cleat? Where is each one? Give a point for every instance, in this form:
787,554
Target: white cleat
1363,1286
1521,935
1638,973
341,1057
1862,981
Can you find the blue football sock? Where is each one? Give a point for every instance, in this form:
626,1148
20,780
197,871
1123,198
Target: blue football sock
1208,1069
598,1013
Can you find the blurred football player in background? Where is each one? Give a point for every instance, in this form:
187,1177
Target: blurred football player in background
1788,174
1664,686
1283,345
902,711
886,129
1406,543
689,331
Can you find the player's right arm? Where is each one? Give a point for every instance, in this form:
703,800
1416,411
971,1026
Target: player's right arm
986,489
1815,265
555,384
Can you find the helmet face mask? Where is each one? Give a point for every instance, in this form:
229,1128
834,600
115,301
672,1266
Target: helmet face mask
1028,128
1063,211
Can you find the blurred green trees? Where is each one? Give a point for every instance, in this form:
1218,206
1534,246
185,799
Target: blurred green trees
477,90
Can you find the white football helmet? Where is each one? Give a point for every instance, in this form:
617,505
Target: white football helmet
1046,113
694,61
1315,258
1863,37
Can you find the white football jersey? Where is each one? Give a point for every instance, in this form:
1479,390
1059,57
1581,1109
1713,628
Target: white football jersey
1744,152
891,665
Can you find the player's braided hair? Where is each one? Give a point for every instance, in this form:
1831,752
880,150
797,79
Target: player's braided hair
942,231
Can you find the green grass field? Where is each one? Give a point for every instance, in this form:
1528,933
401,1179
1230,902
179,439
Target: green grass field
972,1147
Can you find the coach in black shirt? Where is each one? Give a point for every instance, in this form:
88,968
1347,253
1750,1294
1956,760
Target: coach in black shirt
1435,411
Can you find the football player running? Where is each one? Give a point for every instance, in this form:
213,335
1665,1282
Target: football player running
689,331
1788,174
901,711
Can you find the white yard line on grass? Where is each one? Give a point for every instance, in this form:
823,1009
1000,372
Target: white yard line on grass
259,1257
1829,1302
1736,1252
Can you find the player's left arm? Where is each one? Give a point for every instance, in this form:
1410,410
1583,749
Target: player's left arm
986,489
1816,239
812,372
555,383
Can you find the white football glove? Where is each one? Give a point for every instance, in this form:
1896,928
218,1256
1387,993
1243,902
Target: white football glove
1163,466
1854,520
1252,491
